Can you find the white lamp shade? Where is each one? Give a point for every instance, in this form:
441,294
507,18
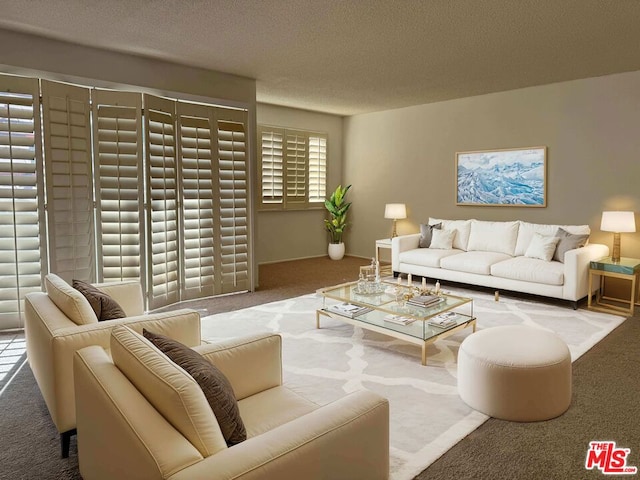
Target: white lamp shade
395,210
618,222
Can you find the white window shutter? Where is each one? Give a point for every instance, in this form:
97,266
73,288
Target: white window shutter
68,167
317,168
296,169
233,184
21,197
117,126
162,197
271,160
200,202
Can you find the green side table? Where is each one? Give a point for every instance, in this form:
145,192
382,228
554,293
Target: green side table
626,269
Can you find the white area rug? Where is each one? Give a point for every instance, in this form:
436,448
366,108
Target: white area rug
427,415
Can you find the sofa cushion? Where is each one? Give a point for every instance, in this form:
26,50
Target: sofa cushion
526,231
493,236
426,234
530,270
166,386
442,239
426,257
568,241
542,247
473,262
270,408
105,307
72,303
214,384
461,227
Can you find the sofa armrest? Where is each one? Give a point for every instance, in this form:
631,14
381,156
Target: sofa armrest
120,434
127,293
346,439
576,269
252,363
401,244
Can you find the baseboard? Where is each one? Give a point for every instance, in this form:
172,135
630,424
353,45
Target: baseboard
292,259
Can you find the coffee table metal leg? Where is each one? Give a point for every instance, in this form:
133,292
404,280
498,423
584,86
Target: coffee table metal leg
424,353
317,319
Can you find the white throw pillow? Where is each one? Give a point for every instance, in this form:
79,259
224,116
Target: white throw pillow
542,247
443,239
460,228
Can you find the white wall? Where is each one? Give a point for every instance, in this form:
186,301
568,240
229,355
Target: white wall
591,128
298,234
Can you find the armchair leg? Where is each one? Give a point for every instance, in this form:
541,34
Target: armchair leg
65,440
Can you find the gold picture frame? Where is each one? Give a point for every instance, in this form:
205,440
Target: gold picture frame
509,177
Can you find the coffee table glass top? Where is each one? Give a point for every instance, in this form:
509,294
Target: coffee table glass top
390,302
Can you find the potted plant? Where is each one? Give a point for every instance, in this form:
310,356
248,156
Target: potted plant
335,225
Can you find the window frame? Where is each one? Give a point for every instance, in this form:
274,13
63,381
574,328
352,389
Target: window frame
288,201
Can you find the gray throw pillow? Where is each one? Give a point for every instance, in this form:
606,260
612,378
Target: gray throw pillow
426,232
105,307
214,385
568,241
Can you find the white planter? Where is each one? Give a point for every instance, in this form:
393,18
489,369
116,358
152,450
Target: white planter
336,251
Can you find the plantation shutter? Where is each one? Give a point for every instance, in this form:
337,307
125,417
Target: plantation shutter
317,168
67,141
162,196
232,171
296,169
117,124
22,251
271,165
200,204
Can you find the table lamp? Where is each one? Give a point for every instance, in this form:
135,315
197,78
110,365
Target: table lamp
395,211
617,222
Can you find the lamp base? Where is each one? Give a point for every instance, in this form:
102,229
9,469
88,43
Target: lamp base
393,229
615,255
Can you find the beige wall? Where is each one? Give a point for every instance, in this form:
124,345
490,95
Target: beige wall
298,234
591,128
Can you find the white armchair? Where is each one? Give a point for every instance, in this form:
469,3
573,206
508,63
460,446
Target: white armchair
140,416
62,321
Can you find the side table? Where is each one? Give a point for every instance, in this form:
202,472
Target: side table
383,244
626,269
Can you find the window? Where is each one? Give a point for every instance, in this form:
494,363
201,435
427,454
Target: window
116,186
293,168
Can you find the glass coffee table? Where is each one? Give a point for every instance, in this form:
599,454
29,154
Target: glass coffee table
389,305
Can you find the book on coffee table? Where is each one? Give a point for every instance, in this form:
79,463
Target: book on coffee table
348,309
444,320
399,319
425,300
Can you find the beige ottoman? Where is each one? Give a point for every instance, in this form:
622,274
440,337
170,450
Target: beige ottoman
515,373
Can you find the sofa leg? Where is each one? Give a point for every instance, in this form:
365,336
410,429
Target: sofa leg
65,440
574,304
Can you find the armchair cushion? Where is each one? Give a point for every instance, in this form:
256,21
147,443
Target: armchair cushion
69,300
105,307
171,390
214,384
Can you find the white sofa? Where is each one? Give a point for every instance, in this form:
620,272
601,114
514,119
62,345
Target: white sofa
495,255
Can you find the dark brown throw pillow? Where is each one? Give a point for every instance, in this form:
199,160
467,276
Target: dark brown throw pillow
214,384
105,307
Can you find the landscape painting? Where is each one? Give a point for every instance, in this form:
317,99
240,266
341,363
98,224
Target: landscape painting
510,177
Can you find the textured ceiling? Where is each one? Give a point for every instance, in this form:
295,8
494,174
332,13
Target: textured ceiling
349,56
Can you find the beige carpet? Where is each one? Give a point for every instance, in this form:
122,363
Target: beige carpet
427,416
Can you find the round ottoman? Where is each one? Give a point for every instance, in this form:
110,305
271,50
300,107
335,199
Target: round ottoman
515,373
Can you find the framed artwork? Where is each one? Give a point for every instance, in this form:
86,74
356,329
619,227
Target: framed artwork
515,177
